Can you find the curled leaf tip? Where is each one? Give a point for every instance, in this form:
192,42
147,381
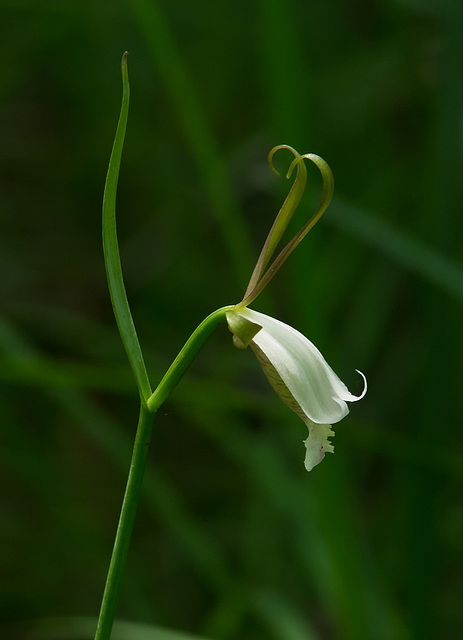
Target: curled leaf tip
264,269
292,165
272,153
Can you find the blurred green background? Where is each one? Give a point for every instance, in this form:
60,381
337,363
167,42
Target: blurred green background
233,540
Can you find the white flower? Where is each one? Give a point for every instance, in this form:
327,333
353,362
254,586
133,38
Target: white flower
299,374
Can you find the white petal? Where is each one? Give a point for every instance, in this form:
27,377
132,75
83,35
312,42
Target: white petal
317,444
315,387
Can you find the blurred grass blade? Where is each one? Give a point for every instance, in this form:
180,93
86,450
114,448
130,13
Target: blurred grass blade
283,620
406,251
81,628
287,94
198,131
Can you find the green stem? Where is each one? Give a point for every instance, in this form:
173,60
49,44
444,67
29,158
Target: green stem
186,356
138,463
125,526
150,402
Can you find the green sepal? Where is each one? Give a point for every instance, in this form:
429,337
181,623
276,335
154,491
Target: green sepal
261,277
243,329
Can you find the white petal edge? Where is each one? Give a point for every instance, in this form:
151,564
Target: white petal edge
316,388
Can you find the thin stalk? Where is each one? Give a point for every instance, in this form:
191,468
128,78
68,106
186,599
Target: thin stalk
186,356
138,463
125,526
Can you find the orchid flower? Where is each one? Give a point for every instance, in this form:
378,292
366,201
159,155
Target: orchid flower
293,365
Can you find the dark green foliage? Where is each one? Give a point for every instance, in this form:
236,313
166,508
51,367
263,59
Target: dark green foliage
233,539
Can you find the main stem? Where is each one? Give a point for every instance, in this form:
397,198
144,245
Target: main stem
150,402
125,526
137,467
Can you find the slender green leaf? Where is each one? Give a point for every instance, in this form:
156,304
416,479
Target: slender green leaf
111,250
